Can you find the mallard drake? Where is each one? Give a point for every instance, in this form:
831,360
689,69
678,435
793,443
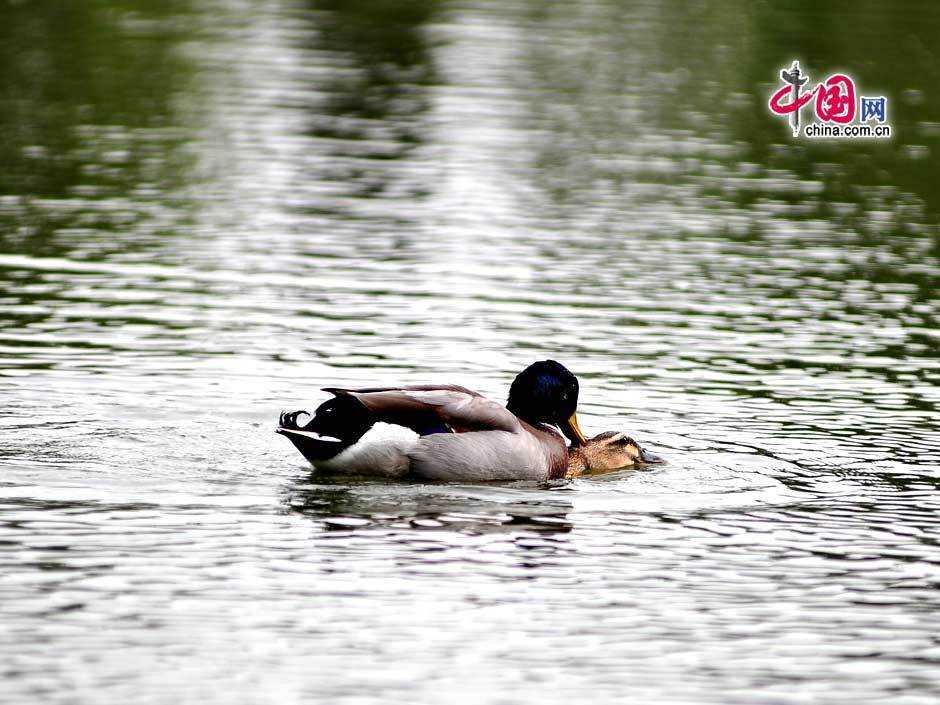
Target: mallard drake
445,432
611,450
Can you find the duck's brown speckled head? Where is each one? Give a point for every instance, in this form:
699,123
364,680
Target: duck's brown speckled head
611,450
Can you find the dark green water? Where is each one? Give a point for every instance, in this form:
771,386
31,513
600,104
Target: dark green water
210,210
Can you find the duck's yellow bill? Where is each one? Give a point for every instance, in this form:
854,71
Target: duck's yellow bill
573,432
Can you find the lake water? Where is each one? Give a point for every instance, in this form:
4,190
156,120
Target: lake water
210,210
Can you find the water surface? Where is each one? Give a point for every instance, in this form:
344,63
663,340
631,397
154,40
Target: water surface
208,211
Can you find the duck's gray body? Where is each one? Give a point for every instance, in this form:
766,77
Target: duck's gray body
487,455
477,440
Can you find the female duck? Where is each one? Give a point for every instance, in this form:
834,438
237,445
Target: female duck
446,432
608,451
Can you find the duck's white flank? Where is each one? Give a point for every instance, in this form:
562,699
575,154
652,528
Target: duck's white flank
383,450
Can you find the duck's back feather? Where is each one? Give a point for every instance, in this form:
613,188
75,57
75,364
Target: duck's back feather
430,409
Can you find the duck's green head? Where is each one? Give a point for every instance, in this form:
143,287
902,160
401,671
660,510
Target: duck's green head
547,392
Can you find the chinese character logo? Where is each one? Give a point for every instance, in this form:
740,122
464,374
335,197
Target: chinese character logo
874,108
795,82
835,108
835,99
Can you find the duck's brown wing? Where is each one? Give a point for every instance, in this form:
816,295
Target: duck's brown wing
430,409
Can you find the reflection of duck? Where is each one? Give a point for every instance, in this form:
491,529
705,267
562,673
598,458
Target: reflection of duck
446,432
346,504
607,451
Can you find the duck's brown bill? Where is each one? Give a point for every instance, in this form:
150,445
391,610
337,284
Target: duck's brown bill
570,428
651,458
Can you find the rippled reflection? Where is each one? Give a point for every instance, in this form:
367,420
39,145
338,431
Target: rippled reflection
210,210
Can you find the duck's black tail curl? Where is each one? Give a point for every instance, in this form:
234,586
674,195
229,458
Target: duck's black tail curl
288,420
313,447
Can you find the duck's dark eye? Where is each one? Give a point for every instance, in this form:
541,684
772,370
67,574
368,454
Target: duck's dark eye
625,441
